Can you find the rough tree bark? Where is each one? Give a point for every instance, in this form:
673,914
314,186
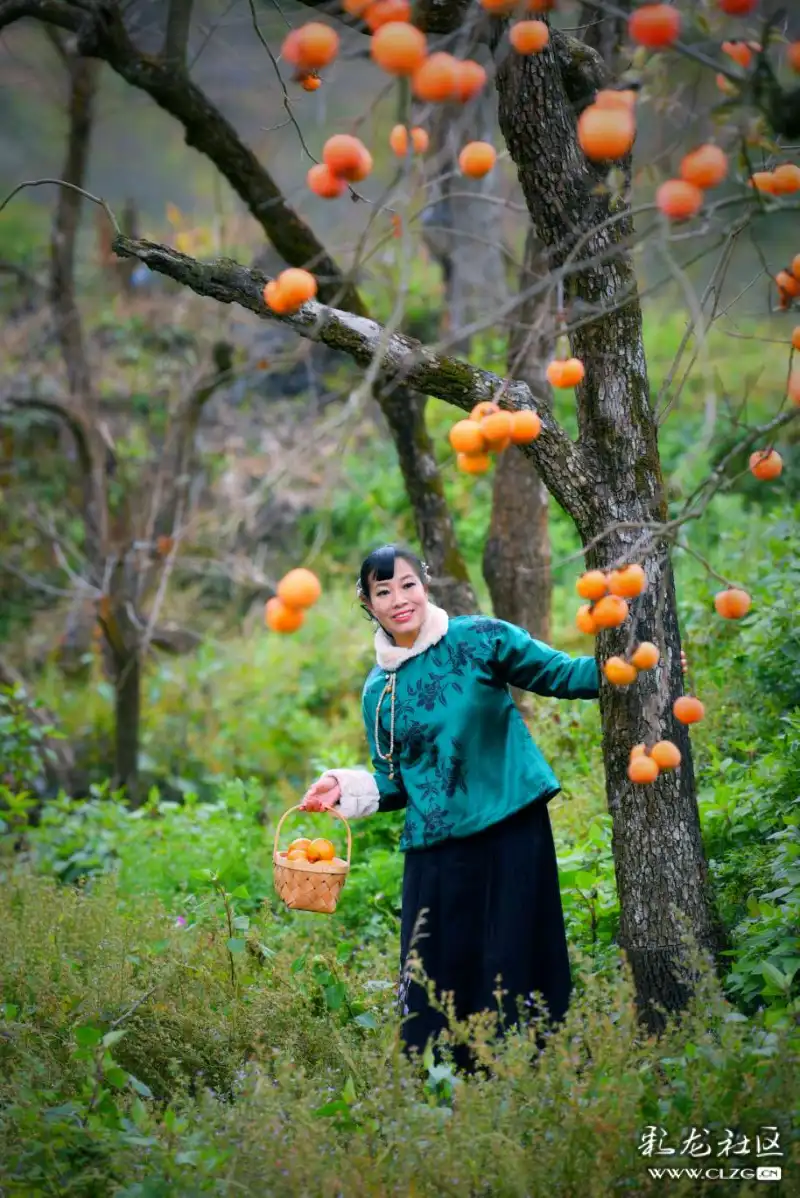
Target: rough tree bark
121,638
100,31
516,557
83,74
657,844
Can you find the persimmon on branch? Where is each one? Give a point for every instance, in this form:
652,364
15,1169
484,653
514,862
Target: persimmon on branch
403,358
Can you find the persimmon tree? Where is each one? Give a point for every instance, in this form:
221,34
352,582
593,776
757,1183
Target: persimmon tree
99,27
134,513
569,127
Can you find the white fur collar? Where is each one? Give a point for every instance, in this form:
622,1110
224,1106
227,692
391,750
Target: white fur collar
434,626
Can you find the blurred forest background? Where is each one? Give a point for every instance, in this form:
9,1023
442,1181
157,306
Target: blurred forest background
231,722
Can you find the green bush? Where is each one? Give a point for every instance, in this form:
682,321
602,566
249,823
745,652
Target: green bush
140,1056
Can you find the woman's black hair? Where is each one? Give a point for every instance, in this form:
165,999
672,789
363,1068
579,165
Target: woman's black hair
379,565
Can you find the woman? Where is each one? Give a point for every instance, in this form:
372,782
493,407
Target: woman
449,745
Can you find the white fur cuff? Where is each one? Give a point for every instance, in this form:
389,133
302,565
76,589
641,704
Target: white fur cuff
360,794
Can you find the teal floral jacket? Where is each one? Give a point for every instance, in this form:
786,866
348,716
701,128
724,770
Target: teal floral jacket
463,758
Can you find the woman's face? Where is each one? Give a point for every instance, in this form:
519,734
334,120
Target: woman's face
400,603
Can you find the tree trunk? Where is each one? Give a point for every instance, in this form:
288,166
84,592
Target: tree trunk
127,713
405,413
122,640
460,230
658,851
516,557
83,74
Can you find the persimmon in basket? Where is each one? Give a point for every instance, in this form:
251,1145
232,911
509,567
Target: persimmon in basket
303,849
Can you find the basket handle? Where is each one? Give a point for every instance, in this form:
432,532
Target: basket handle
331,811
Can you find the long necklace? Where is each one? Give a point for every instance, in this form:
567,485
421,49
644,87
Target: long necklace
389,689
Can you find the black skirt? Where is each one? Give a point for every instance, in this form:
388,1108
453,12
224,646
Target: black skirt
491,906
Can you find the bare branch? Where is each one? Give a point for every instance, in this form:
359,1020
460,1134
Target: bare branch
20,274
62,183
63,13
286,102
171,638
180,443
68,414
403,360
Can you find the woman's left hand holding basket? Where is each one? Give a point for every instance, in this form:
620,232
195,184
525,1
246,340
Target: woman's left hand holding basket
321,795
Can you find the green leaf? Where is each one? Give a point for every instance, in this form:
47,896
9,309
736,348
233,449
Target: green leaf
66,1110
112,1038
367,1019
349,1090
87,1036
299,964
335,995
116,1077
140,1087
336,1107
241,923
234,945
775,976
10,1011
241,892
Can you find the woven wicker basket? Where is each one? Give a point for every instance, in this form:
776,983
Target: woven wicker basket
311,885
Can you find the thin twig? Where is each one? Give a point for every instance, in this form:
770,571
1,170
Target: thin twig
72,187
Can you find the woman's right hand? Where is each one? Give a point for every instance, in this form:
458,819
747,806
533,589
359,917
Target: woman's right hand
321,795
